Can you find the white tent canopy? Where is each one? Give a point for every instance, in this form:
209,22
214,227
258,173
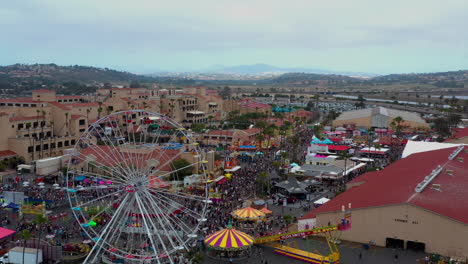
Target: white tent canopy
322,200
360,165
422,146
236,168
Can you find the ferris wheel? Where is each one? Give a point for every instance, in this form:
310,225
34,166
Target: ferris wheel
137,185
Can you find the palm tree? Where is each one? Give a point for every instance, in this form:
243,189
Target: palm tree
24,235
40,220
396,123
99,110
345,155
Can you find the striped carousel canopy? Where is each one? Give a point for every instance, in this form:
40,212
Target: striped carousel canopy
229,239
248,214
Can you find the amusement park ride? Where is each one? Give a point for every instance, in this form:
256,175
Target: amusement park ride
292,251
133,202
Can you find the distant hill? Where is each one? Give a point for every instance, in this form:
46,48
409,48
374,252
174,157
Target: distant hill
265,69
55,73
451,79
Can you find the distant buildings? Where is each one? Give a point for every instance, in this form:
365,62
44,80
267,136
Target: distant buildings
45,124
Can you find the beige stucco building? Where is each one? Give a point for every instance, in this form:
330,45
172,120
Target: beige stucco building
378,117
45,124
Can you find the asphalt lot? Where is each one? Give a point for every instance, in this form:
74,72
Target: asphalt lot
350,254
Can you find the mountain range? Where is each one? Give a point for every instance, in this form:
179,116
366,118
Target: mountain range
267,70
51,74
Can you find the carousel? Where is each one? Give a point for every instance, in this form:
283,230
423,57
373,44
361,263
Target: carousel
229,243
248,217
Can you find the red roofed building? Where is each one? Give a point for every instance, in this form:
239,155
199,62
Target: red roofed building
229,137
460,135
248,105
413,203
5,154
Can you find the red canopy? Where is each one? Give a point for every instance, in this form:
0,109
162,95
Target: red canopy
4,233
336,147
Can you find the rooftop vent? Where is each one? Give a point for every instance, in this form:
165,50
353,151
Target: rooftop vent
420,187
455,153
436,187
449,172
460,159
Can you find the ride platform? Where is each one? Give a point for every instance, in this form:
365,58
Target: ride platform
305,256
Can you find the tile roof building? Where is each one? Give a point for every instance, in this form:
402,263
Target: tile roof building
417,202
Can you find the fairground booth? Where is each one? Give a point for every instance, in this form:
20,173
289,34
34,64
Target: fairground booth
6,236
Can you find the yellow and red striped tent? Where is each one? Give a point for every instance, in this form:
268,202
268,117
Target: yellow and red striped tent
265,210
248,214
229,239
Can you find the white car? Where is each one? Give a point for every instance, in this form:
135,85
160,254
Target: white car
4,259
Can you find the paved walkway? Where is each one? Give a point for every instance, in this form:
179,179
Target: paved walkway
351,253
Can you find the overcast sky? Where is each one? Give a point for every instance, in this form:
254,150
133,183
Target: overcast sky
376,36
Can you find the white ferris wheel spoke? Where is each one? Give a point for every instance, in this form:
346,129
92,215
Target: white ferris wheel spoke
136,212
168,219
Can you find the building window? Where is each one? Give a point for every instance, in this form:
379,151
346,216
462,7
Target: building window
67,143
26,135
12,126
82,130
35,124
45,147
52,145
49,134
20,126
60,144
82,122
73,142
38,148
30,149
34,135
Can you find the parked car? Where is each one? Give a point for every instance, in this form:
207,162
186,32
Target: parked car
289,199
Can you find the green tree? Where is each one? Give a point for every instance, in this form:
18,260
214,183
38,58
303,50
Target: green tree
197,127
397,124
39,221
24,235
263,180
181,168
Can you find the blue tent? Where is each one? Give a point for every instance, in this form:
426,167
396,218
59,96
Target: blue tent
12,206
80,178
318,141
